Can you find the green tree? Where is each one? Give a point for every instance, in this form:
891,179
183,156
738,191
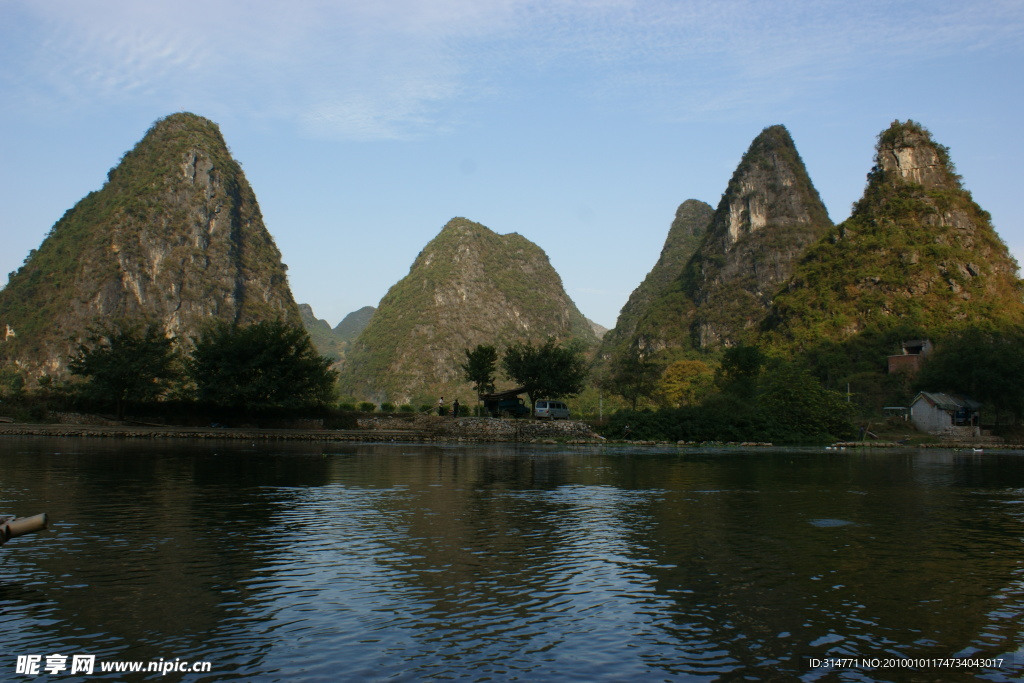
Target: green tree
546,371
633,376
739,370
126,361
985,364
12,381
268,364
480,367
795,407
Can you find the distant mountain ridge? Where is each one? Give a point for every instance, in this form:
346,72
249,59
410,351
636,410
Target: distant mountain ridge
468,286
332,342
175,235
352,325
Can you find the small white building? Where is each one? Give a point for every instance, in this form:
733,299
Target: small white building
939,413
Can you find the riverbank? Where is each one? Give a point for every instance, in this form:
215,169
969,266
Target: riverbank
414,429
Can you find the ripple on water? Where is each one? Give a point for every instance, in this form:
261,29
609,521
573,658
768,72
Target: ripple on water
456,564
829,523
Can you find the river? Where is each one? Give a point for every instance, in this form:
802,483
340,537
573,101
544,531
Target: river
353,562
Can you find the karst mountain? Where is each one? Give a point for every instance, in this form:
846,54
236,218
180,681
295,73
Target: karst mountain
332,342
916,258
175,236
715,282
660,288
468,286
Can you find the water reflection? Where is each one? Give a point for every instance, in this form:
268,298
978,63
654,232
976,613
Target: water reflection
327,562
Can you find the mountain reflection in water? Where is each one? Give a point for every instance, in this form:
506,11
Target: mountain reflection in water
324,562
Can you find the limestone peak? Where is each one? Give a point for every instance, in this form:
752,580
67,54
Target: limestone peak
468,286
769,214
907,153
175,236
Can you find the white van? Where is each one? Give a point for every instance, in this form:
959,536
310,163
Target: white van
552,410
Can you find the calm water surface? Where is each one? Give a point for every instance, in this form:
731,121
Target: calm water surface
541,563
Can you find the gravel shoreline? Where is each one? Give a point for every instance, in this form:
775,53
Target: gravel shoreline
421,430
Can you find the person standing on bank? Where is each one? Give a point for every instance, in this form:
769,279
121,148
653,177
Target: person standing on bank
440,406
455,408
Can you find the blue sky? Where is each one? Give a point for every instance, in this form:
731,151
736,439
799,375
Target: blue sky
364,127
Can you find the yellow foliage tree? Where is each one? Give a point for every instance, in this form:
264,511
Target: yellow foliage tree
685,382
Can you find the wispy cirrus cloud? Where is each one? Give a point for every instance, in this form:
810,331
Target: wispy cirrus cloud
401,68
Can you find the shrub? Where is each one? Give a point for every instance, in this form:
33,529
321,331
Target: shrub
367,407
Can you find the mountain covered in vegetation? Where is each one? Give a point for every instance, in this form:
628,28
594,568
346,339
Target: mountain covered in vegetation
321,334
468,286
715,282
332,342
352,325
684,238
770,213
174,236
917,258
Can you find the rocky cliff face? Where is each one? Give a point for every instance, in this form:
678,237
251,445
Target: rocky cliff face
468,286
684,237
714,283
175,235
770,213
917,256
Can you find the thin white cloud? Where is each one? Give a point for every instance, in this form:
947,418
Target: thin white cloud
399,68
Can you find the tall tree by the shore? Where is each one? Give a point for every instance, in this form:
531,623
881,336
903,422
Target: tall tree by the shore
126,361
269,364
546,371
480,366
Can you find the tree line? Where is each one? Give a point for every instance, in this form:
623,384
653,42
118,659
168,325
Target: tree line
753,394
746,395
265,365
749,396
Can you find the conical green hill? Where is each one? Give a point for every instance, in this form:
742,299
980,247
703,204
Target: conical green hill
917,257
770,213
468,286
684,237
175,235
